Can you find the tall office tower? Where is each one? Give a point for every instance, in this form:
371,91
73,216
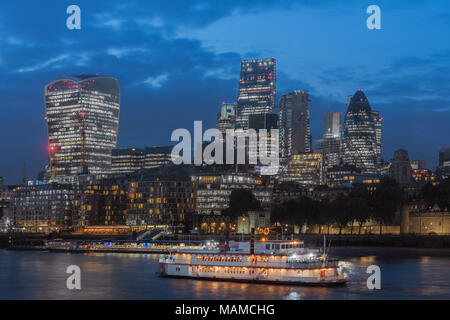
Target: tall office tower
329,145
226,118
359,145
256,89
82,116
295,132
443,170
378,122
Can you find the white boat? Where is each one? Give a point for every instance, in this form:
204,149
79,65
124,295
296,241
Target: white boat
274,262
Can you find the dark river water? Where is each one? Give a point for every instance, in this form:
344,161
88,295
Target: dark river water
405,274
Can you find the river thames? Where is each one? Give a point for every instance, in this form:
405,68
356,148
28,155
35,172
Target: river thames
405,274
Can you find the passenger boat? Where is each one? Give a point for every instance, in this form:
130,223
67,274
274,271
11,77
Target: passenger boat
272,262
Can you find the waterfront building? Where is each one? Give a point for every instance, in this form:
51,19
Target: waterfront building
305,169
359,146
213,190
43,207
295,132
400,169
103,204
128,160
157,196
226,119
257,86
82,115
330,144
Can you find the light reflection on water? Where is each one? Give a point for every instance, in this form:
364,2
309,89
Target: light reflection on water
406,274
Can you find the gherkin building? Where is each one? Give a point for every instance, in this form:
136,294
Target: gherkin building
359,146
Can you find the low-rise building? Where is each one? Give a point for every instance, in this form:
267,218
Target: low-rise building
128,160
213,190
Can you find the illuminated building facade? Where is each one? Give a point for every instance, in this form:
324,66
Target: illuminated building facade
128,160
342,175
150,197
226,119
330,144
305,169
256,89
418,164
423,176
359,146
378,124
295,132
213,190
42,207
82,115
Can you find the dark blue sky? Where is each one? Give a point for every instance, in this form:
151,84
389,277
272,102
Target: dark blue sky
178,60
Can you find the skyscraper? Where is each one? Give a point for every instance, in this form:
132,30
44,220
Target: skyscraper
359,146
329,145
256,89
378,122
82,115
295,132
226,118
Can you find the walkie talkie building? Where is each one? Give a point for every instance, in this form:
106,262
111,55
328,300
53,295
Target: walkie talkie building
82,115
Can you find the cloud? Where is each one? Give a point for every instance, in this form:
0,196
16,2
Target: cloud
52,63
156,82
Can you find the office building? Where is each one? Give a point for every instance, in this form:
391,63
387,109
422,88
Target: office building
127,160
82,115
305,169
295,132
42,207
378,125
256,89
226,119
359,146
329,145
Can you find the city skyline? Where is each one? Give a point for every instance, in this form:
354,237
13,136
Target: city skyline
154,90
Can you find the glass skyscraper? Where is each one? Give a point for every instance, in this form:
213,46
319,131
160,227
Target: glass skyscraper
295,132
256,89
359,145
82,115
330,143
378,122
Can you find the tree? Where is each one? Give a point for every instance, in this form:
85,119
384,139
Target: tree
339,210
443,194
387,199
358,210
429,194
241,202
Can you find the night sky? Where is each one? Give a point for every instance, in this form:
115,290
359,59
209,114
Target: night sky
176,61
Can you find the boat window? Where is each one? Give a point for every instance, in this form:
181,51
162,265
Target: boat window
277,246
283,246
268,246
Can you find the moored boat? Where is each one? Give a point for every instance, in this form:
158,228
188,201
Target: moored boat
275,262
